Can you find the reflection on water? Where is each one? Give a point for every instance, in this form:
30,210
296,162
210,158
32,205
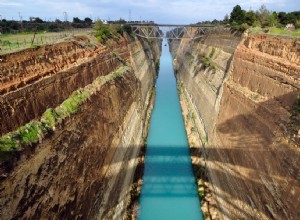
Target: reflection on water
169,190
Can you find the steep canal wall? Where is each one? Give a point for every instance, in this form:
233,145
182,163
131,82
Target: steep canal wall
77,159
242,91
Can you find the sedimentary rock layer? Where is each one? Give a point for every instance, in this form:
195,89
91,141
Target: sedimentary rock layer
83,169
244,93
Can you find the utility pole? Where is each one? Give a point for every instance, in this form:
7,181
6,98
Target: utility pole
129,17
65,14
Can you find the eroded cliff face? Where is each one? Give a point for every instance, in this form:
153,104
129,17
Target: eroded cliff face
252,149
85,167
203,84
244,98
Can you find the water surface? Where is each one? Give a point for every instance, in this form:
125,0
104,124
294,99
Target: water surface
169,190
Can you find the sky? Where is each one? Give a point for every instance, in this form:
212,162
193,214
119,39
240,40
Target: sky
160,11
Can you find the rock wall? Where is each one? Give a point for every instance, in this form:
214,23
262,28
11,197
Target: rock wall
84,169
36,79
202,84
253,163
244,105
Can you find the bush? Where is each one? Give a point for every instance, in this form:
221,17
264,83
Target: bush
241,27
207,62
212,52
106,31
49,119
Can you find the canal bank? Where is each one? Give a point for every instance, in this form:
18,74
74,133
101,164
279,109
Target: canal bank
169,190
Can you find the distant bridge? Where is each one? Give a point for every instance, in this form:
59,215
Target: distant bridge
171,31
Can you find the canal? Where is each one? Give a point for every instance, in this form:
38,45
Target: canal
169,190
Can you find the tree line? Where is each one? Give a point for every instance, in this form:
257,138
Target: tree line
240,19
37,24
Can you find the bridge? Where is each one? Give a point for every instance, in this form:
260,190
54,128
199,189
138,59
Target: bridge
170,31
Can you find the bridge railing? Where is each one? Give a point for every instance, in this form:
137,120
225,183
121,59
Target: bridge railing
169,31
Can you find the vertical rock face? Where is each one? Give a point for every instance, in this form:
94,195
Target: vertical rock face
84,169
203,84
252,161
245,104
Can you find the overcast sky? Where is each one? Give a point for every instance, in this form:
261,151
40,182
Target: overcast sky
160,11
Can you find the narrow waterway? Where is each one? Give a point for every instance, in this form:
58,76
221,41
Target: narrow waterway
169,190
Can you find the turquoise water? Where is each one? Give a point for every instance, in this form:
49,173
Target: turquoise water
169,190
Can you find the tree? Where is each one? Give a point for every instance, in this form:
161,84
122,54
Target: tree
37,20
226,19
237,15
263,13
282,16
297,14
291,18
88,21
77,20
287,18
251,18
98,25
272,19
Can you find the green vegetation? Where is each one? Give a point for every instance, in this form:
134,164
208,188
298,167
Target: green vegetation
207,61
37,24
212,52
107,31
275,31
179,88
242,20
193,129
201,192
157,64
28,134
190,56
49,119
34,131
72,104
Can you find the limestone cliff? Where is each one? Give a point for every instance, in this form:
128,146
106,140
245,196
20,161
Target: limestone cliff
243,90
84,168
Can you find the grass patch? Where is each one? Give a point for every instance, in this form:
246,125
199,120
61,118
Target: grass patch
28,134
72,104
275,31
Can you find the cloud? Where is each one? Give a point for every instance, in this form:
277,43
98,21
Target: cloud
10,3
176,11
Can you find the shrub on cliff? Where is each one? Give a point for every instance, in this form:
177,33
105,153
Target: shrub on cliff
28,134
102,31
207,61
107,31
